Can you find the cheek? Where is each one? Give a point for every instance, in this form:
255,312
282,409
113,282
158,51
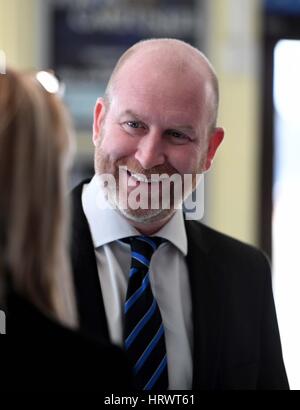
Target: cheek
116,145
186,160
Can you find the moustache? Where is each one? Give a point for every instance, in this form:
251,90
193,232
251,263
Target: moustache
135,168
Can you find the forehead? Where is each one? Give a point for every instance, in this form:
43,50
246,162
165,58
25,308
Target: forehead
161,87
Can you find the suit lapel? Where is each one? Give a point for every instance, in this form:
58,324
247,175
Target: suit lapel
207,301
89,298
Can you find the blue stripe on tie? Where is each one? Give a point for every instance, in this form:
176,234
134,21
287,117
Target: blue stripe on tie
156,374
140,325
148,240
140,258
132,272
137,293
149,349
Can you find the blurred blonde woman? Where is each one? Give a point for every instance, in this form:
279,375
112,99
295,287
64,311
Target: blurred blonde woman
35,143
36,290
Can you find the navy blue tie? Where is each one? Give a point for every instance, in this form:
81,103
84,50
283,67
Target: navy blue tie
144,336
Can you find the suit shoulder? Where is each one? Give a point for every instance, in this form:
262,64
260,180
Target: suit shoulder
76,203
224,246
76,191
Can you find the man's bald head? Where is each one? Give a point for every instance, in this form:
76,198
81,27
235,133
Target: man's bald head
166,56
159,118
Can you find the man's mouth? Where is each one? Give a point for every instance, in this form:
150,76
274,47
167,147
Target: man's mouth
155,178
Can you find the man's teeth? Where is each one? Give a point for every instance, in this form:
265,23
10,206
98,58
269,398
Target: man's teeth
143,178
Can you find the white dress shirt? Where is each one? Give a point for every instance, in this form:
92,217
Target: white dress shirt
168,278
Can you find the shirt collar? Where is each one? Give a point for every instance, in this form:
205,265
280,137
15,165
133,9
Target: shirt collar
107,225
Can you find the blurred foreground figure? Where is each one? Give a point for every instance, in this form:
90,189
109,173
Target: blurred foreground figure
41,350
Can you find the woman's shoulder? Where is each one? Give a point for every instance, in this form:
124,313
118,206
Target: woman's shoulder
58,358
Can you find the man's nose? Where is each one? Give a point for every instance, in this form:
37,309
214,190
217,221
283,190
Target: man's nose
150,150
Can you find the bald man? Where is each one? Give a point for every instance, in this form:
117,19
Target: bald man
192,308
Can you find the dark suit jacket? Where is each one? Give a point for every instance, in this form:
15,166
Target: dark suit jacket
236,339
38,354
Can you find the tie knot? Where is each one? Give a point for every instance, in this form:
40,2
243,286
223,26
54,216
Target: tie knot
143,247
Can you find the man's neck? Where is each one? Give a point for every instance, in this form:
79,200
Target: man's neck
150,228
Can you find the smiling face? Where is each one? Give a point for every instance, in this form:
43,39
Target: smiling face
157,121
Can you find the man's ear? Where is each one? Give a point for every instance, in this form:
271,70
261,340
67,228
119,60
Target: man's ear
99,112
215,140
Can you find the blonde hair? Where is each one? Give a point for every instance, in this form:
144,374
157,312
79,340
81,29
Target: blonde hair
35,142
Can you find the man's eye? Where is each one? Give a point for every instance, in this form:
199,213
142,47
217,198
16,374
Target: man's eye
134,124
177,135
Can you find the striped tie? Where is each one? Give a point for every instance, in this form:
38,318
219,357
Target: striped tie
144,336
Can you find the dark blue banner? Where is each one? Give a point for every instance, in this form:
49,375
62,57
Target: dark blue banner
288,7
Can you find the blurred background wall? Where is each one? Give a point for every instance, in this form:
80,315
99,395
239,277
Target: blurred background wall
233,46
82,39
18,32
